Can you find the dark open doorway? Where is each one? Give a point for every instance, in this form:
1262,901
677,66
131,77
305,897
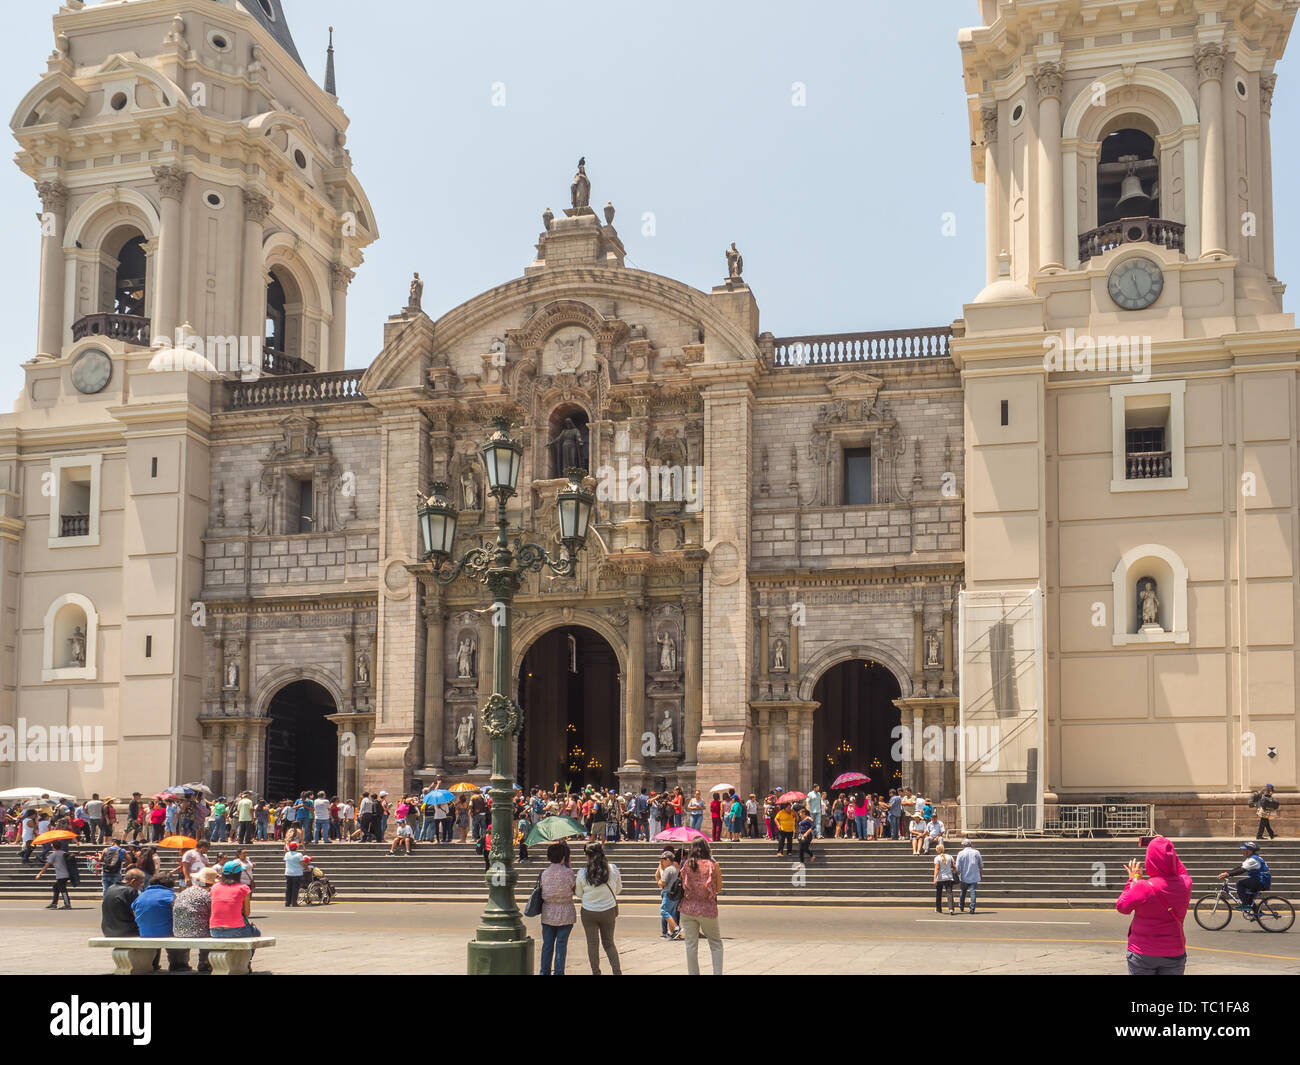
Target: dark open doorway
569,690
852,728
301,745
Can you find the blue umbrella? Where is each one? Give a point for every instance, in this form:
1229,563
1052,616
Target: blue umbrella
440,796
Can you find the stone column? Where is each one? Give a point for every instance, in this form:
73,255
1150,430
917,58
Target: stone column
253,274
435,618
693,603
1214,232
634,723
950,757
1051,219
54,217
805,719
486,654
764,767
257,754
241,758
340,278
230,776
918,643
992,193
948,677
918,758
209,753
1266,86
349,671
778,760
171,189
763,665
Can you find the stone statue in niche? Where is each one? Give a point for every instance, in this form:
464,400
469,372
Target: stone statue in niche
465,735
569,447
465,658
931,649
665,732
1149,604
232,675
468,491
778,656
363,670
667,653
77,641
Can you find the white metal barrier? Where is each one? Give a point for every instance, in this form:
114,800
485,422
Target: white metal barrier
1058,819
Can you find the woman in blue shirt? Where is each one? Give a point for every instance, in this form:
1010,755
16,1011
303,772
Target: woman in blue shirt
294,870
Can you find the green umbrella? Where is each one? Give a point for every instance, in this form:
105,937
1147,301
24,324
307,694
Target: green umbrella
549,829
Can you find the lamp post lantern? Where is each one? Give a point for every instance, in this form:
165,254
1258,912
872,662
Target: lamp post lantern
501,944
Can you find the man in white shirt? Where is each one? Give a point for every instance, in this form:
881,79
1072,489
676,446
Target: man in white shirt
193,861
95,819
321,816
933,833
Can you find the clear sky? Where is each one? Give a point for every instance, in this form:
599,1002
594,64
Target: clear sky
683,109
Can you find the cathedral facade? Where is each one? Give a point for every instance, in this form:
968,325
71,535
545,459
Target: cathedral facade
810,554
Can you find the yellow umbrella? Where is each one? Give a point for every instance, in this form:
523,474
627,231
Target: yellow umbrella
54,834
180,843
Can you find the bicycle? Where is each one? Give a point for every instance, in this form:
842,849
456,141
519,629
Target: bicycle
1272,912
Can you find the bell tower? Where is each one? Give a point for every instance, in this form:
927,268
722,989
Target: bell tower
194,178
1131,130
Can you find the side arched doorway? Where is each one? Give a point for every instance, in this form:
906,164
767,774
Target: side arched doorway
853,726
301,741
569,690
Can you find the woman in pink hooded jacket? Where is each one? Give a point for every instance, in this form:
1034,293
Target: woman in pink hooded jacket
1158,903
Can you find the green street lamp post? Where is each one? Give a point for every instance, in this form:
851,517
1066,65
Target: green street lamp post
501,944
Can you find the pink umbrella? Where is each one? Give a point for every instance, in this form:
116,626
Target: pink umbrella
680,835
792,796
849,780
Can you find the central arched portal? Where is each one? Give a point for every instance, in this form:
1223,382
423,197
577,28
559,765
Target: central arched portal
301,741
853,726
569,690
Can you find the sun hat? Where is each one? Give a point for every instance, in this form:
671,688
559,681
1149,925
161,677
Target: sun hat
207,875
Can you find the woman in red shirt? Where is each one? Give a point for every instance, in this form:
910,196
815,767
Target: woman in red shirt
679,801
230,909
715,812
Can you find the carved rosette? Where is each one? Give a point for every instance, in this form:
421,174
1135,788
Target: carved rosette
502,717
54,196
1209,62
171,181
1266,86
1049,78
989,120
256,207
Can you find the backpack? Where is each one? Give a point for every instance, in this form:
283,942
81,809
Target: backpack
1262,874
598,812
113,864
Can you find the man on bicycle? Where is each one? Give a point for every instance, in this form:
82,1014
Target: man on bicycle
1255,877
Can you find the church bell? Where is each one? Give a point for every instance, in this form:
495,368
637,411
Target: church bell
1133,202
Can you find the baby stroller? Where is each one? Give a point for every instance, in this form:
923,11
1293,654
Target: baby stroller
320,890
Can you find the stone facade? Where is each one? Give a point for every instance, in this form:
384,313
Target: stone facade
771,508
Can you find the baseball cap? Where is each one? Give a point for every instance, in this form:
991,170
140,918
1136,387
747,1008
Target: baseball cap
293,846
231,868
965,843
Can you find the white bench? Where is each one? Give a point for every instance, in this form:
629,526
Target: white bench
228,957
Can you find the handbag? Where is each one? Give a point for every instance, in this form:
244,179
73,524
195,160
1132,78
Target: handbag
534,906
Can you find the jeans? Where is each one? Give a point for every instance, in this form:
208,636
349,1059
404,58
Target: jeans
667,911
262,828
601,923
219,831
1150,965
965,886
861,822
427,830
109,879
96,830
817,824
478,825
249,931
322,831
654,828
383,826
805,849
691,929
697,819
893,826
784,842
555,941
677,820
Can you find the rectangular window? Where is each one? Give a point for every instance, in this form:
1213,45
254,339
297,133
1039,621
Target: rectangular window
153,472
1145,431
1006,412
857,476
148,647
74,500
305,515
1147,436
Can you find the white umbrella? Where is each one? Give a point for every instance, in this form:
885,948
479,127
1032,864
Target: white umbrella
721,787
20,794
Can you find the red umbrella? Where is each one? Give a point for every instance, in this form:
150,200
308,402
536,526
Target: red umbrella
792,796
850,780
680,835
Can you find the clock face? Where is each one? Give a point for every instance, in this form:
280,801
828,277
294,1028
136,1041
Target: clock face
92,372
1136,283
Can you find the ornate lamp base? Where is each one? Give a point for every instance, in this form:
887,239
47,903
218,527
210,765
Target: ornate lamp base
511,958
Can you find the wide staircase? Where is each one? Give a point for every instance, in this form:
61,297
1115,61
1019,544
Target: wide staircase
1085,872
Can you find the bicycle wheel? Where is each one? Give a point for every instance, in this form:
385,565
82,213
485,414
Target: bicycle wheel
1276,914
1213,912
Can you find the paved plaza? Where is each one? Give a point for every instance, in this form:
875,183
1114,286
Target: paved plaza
429,938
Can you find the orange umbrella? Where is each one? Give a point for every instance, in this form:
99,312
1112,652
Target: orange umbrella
180,843
51,836
463,787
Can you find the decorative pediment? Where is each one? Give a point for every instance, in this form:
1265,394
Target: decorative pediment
299,440
854,385
534,332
